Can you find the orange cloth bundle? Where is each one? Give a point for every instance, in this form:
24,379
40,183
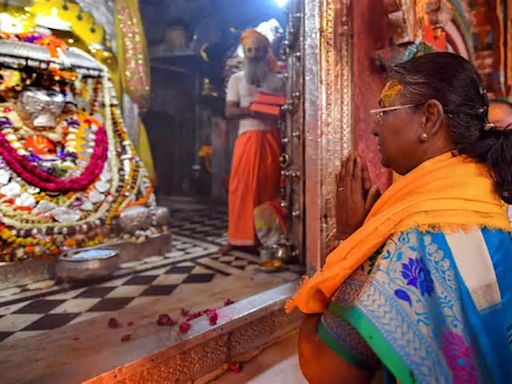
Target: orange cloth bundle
270,98
265,109
445,193
268,103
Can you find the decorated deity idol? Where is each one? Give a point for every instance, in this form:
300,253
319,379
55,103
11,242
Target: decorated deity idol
69,175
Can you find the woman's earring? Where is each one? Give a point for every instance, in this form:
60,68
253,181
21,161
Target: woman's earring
423,137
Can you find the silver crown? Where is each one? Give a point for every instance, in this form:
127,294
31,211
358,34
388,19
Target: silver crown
20,53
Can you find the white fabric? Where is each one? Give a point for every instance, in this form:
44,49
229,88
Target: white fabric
474,263
241,92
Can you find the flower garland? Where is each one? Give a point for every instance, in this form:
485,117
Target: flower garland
107,207
26,232
54,45
37,148
73,125
10,238
144,199
129,186
109,117
10,208
41,179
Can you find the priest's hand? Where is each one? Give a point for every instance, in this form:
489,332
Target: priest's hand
355,195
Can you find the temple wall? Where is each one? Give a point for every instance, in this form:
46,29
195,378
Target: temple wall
368,36
371,34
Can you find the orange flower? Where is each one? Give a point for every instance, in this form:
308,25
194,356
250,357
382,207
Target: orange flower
40,145
144,199
71,243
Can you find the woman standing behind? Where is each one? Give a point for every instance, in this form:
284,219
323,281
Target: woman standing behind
421,284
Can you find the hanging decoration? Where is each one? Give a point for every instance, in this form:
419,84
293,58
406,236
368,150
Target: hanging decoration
132,52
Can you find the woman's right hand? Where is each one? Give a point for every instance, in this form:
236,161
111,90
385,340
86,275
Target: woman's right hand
355,195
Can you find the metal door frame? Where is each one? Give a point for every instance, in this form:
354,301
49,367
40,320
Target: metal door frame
328,116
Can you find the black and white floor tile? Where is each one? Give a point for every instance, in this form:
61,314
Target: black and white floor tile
72,306
182,249
33,308
206,223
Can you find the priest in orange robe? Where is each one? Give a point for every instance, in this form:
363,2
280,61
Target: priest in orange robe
255,171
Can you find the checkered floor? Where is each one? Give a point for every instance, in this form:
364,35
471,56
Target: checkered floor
205,223
31,309
182,250
197,234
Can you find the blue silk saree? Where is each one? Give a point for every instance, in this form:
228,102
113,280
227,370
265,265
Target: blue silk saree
430,307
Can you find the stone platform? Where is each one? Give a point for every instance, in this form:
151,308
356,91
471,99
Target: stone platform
92,352
12,274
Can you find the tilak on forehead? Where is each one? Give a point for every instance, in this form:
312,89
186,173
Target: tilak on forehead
390,92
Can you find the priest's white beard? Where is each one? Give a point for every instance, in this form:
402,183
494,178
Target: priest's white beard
255,72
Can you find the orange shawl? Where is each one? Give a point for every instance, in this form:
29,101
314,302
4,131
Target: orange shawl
445,193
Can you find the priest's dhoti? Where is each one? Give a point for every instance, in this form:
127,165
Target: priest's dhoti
254,180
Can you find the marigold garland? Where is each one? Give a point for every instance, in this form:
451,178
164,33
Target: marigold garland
144,199
10,238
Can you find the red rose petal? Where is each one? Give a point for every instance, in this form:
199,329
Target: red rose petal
126,337
195,315
113,323
165,319
213,317
184,312
235,367
184,327
228,302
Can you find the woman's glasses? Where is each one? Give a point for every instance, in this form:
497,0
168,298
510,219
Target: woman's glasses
378,113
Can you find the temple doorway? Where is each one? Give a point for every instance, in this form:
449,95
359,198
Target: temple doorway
194,49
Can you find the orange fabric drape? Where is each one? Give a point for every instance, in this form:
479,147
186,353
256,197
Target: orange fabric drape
254,180
445,193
